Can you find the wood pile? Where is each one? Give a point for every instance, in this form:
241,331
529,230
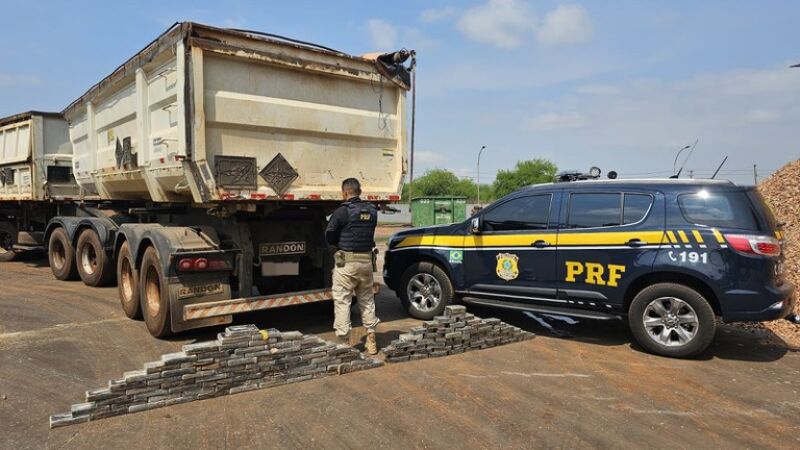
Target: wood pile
782,193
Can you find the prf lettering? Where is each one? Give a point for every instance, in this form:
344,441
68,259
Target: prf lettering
595,272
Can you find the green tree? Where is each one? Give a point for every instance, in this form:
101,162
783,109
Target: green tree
444,182
525,173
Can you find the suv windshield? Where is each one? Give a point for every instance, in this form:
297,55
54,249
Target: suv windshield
730,209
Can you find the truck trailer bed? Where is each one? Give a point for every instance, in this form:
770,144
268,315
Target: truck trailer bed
204,115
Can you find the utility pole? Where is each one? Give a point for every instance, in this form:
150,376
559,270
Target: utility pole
691,173
479,173
755,175
413,125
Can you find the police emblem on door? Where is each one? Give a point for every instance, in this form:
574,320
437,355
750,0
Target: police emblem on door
507,267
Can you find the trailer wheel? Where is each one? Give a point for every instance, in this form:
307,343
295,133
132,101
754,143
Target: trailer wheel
8,238
62,256
154,295
128,283
94,264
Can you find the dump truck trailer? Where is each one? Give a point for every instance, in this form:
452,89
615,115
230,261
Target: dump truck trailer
208,163
36,181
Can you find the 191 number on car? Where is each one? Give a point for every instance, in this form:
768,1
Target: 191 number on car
689,257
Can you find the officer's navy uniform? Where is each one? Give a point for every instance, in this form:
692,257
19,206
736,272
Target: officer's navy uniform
352,230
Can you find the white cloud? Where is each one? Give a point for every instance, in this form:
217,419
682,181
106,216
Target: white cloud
761,116
746,115
415,39
382,34
431,15
598,89
565,25
555,121
502,23
15,80
428,158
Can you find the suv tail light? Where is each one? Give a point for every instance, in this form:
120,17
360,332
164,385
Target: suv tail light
202,265
754,245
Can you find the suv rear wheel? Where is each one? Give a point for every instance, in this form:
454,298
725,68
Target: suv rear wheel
672,320
425,290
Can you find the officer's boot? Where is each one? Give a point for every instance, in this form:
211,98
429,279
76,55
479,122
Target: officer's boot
371,345
344,339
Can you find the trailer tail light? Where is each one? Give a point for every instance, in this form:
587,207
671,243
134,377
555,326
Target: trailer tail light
754,245
186,265
202,265
394,198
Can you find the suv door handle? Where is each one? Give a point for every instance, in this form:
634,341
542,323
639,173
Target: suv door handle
540,244
636,242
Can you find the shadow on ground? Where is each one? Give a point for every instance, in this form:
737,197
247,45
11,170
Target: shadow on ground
731,342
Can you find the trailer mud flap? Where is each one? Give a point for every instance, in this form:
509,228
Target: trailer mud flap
210,308
190,290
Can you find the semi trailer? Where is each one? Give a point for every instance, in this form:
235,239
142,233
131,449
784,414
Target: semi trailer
36,181
206,165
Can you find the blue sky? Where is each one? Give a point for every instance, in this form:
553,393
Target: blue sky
618,84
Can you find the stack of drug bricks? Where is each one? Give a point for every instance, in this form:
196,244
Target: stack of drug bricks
454,332
243,358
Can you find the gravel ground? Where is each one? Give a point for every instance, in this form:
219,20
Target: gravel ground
593,389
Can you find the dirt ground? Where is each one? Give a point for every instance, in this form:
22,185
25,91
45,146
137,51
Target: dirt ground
591,389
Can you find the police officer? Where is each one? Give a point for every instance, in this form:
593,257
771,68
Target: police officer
352,230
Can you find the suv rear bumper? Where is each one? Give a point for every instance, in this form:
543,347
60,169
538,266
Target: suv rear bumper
776,302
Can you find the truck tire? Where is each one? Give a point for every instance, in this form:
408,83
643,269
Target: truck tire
425,290
61,255
672,319
8,238
128,283
154,294
94,264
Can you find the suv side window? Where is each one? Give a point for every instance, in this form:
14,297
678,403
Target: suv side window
719,209
635,207
592,210
524,213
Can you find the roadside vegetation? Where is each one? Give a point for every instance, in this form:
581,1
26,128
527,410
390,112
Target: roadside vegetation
437,182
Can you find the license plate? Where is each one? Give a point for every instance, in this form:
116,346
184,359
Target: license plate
197,291
282,248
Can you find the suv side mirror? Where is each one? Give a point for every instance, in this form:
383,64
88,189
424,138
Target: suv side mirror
475,225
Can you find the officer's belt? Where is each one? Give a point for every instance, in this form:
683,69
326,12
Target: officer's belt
357,256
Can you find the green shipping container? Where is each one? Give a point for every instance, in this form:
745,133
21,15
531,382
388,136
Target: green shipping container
427,211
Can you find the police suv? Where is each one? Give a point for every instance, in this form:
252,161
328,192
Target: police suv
670,255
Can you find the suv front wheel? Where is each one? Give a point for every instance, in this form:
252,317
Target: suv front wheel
672,320
425,290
